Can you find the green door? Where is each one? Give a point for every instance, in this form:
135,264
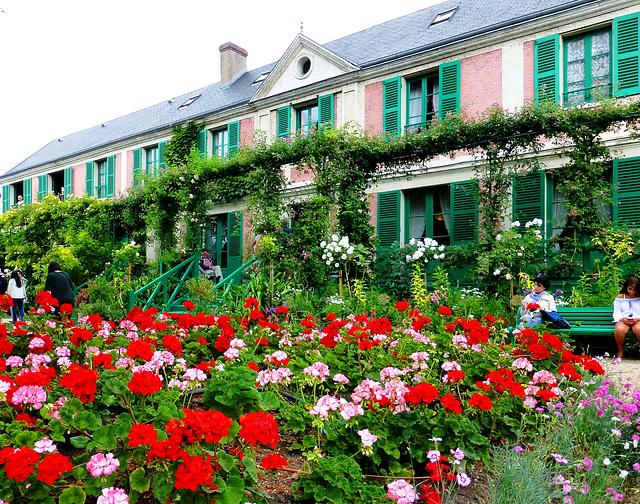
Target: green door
225,241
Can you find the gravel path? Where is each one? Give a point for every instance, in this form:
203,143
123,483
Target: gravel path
625,371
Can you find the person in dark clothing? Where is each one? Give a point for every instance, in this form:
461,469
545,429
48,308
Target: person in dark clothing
60,285
3,284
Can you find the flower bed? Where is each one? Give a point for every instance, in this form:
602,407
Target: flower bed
171,407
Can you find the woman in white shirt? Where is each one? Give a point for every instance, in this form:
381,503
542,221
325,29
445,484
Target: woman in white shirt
17,290
626,311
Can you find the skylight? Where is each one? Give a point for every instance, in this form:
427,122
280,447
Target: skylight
189,101
444,16
260,78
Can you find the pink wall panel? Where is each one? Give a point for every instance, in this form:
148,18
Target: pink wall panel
300,175
481,82
118,176
373,108
129,177
373,211
247,131
79,179
528,71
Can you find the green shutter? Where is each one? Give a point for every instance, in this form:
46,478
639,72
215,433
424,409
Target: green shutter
68,182
391,106
43,186
161,147
546,75
201,142
111,176
233,132
234,232
325,111
284,121
6,194
26,191
626,55
464,213
388,218
449,76
88,187
137,166
626,198
528,198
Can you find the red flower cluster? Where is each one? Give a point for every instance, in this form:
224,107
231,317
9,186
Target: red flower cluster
145,383
193,472
80,335
6,302
449,402
198,426
140,348
424,392
188,305
568,371
282,310
142,434
502,381
81,381
20,463
251,302
52,466
481,401
46,300
445,311
274,461
402,305
172,344
259,427
533,306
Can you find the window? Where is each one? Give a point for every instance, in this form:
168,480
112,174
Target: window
17,194
587,71
152,162
189,101
221,143
307,119
100,177
57,183
433,95
260,78
423,100
443,16
428,214
603,62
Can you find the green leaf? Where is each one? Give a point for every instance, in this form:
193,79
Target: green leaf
73,495
233,432
162,486
105,437
138,481
79,473
115,386
319,493
233,492
309,441
268,401
70,409
226,461
250,465
26,438
79,441
85,420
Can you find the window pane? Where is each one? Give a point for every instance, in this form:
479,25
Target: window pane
600,66
600,43
220,143
575,71
575,50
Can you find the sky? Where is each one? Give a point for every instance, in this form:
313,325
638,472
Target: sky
67,65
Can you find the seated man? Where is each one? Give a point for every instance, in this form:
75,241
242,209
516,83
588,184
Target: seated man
209,268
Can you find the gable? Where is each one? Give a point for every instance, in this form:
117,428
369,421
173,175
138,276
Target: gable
304,63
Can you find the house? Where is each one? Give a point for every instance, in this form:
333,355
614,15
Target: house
394,77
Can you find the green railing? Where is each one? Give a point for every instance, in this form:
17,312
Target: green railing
167,292
106,274
234,278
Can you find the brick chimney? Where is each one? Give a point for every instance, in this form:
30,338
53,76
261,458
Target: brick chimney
233,63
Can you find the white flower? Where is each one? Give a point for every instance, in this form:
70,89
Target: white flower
498,236
343,256
412,241
323,244
606,461
515,224
497,272
508,276
334,238
623,474
337,265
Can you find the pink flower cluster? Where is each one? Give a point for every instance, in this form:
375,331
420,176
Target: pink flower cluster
317,371
102,465
402,492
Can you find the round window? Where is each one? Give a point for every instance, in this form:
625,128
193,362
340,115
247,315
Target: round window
304,66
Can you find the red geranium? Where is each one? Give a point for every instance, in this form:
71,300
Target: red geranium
145,383
568,371
79,335
251,302
402,305
274,461
259,427
195,471
451,403
282,310
21,463
172,343
481,401
188,305
140,348
52,466
81,381
142,434
6,302
445,311
66,309
424,392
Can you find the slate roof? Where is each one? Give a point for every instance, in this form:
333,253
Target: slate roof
390,40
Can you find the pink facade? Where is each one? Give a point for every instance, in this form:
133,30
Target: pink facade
118,177
300,175
129,179
373,211
247,133
528,71
373,108
481,82
79,179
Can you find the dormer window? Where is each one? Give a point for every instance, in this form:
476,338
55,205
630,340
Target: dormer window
189,101
303,67
443,17
260,78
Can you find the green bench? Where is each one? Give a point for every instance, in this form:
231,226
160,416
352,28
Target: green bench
587,322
